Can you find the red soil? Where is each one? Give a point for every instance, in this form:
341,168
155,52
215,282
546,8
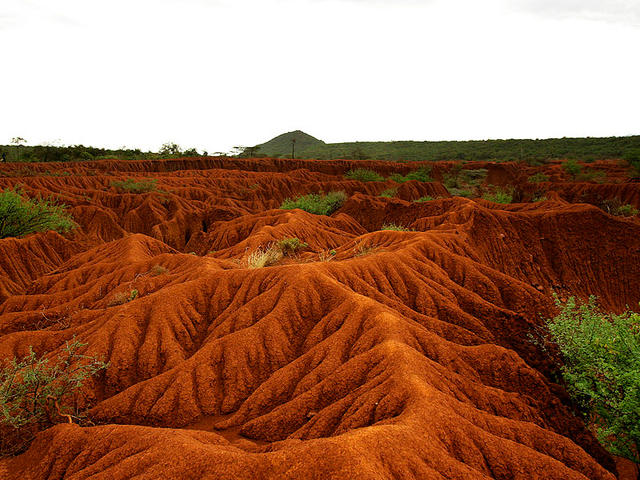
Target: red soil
405,355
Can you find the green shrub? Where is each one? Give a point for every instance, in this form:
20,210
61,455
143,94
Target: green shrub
424,199
121,298
473,177
538,178
364,175
395,227
316,203
500,196
20,216
592,176
571,167
290,246
626,211
130,185
389,193
601,368
421,175
460,192
36,390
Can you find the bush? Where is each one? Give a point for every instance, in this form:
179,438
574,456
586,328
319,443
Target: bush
289,246
20,216
264,257
626,211
592,176
538,178
460,192
132,186
500,196
316,204
389,193
395,227
601,368
364,175
421,175
34,390
571,167
121,298
424,199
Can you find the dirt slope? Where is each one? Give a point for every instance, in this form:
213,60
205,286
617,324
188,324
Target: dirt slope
404,355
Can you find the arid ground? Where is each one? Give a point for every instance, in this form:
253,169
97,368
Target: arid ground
369,354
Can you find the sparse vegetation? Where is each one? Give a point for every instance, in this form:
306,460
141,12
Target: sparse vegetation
389,193
424,199
364,175
571,167
318,204
131,185
463,183
538,178
591,175
601,354
121,298
158,270
35,393
614,206
290,246
264,257
460,192
396,227
21,216
421,175
499,196
363,249
327,256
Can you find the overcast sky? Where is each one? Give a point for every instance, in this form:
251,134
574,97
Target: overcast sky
213,74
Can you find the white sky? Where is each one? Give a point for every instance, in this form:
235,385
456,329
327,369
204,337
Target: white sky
213,74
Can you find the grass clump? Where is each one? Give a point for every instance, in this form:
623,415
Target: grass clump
121,298
424,199
21,216
290,246
395,227
131,185
364,175
36,391
158,270
264,257
460,192
318,204
389,193
601,353
500,196
538,178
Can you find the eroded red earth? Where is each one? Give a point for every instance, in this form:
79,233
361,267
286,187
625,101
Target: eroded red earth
406,355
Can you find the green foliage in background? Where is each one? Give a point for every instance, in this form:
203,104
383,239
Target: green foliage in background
131,185
364,175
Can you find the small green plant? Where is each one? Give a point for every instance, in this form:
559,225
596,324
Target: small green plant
363,249
591,175
396,227
538,178
572,167
424,199
601,368
423,174
290,246
626,211
121,298
264,257
21,216
500,196
35,393
316,203
158,270
460,192
389,193
131,185
327,256
364,175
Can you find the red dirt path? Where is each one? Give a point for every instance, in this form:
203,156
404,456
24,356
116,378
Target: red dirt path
412,361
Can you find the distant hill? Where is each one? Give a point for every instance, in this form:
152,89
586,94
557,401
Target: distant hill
586,149
281,145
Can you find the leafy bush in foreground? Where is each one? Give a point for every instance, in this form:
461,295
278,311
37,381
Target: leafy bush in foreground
602,370
315,203
364,175
33,391
130,185
20,216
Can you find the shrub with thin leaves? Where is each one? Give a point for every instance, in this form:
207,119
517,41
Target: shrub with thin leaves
364,175
395,227
499,196
389,193
291,245
318,204
423,174
424,199
131,185
21,216
36,392
264,257
538,178
572,167
601,353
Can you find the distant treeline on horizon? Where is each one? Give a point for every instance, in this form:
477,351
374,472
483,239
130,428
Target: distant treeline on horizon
307,147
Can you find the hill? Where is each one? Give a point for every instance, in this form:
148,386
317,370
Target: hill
280,146
586,149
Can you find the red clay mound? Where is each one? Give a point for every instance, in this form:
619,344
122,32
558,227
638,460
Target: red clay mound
367,354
